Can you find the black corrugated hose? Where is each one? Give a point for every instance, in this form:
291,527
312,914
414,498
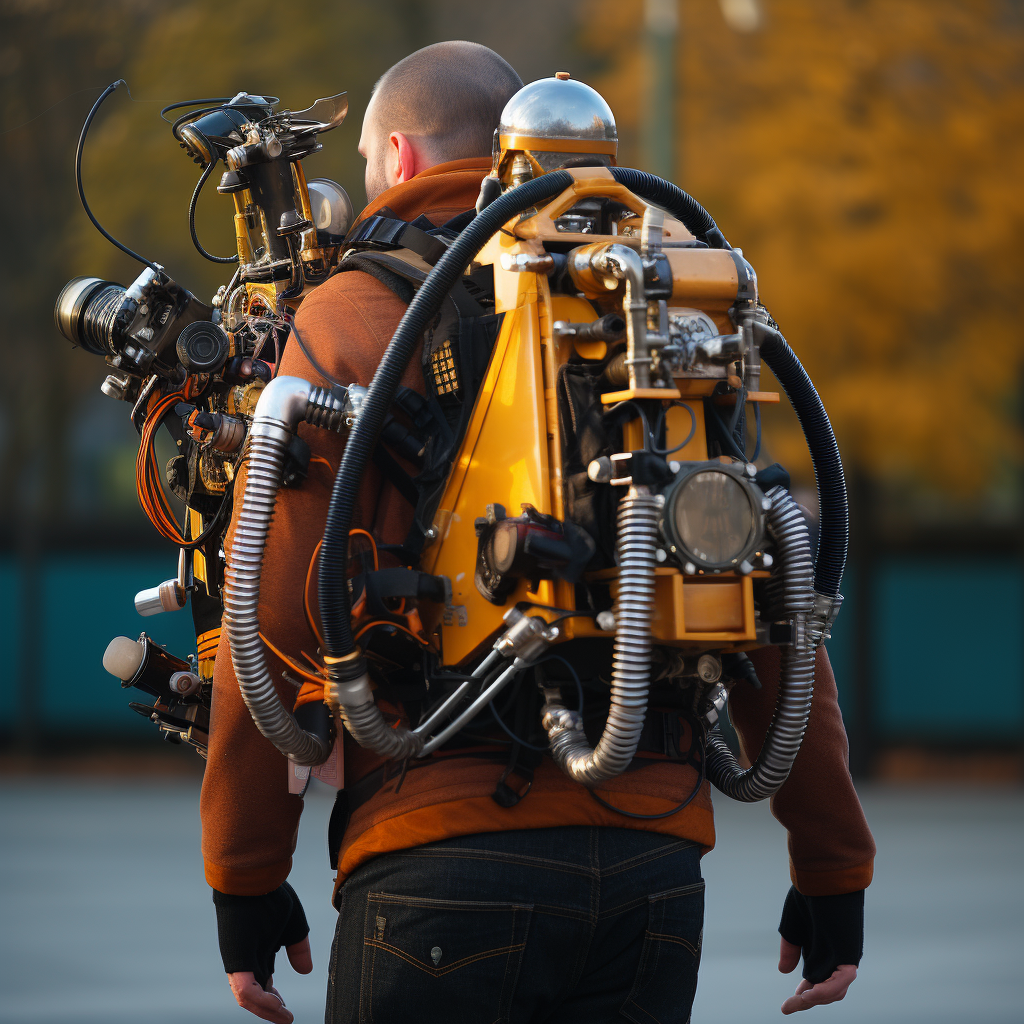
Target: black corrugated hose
678,203
834,511
333,574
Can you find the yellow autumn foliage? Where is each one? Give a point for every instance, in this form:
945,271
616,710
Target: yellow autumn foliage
867,155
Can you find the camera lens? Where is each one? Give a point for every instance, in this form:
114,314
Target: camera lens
86,311
203,347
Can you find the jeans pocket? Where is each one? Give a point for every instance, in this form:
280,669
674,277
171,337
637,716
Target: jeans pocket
666,978
438,961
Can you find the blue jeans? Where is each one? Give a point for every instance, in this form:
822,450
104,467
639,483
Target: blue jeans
563,925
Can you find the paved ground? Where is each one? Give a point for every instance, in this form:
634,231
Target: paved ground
104,915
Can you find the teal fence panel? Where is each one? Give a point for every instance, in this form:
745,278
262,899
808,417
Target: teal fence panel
87,600
10,629
949,649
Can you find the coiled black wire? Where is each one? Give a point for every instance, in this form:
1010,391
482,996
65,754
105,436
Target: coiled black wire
335,604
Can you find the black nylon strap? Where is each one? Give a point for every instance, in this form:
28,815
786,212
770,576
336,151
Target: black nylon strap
393,232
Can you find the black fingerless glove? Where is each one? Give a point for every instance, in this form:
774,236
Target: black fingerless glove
252,929
828,929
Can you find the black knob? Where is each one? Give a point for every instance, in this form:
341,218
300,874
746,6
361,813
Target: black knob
203,347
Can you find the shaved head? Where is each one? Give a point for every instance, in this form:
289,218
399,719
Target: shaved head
445,99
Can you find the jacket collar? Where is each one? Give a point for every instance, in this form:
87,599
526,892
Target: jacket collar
453,184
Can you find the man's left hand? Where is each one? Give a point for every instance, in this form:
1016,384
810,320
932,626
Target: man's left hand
807,995
828,931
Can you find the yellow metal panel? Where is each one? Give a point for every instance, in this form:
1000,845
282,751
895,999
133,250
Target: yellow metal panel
504,460
714,607
198,558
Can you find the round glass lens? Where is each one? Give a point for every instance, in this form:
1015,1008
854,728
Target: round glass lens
713,517
503,546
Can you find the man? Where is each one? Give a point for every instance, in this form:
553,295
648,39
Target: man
455,905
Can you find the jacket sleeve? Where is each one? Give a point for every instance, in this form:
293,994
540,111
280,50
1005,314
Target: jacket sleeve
250,822
831,850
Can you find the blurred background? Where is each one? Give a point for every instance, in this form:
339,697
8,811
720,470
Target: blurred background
866,154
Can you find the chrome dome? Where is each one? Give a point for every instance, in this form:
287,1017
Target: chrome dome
558,108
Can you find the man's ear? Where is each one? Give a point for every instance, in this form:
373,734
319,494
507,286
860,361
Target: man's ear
404,162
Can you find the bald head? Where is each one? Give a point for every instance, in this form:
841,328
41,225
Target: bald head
440,103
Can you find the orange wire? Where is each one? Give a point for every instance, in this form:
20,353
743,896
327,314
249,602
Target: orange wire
305,596
291,664
385,622
306,604
373,544
151,494
320,458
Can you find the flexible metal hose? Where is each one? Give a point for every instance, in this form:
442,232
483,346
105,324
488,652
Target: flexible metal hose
352,701
284,403
631,662
791,592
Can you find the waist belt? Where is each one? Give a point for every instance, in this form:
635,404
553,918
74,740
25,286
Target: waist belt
662,736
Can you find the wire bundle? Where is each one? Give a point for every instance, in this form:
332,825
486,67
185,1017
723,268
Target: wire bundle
152,498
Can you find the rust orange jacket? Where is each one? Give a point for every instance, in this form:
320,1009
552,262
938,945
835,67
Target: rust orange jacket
249,819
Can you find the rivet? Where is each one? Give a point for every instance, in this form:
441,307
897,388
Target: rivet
435,955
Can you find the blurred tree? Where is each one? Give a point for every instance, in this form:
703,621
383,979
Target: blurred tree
867,156
58,436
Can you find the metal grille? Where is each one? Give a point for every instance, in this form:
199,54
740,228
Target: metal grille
442,365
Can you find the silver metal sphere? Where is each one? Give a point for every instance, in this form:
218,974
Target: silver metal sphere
558,108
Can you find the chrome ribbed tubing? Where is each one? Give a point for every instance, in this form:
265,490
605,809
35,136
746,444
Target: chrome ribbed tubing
281,406
324,410
631,662
791,592
369,728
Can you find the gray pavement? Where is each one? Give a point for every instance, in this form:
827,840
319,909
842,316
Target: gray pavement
104,915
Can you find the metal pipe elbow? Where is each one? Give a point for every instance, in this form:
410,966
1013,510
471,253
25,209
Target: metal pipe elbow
622,263
350,698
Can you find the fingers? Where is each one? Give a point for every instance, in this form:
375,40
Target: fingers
829,991
300,957
267,1005
789,957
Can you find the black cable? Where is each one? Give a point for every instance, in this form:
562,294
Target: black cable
664,814
194,103
311,360
81,191
192,219
536,664
648,435
661,423
757,438
517,739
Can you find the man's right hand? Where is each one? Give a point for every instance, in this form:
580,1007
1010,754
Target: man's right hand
251,930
